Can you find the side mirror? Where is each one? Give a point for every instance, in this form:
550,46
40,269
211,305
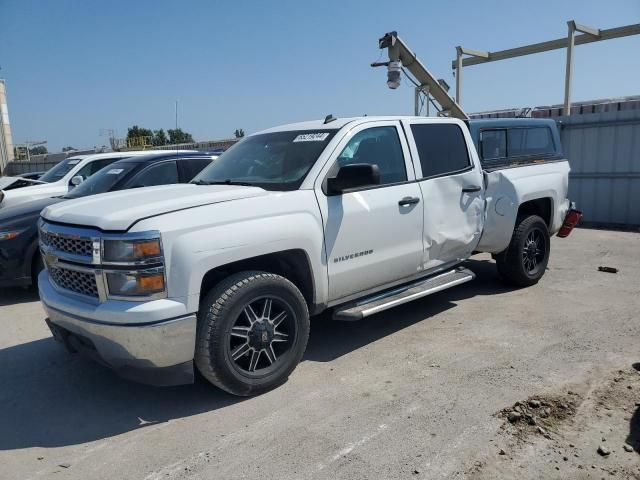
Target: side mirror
353,176
77,180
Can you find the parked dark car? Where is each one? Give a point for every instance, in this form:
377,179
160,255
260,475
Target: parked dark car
20,260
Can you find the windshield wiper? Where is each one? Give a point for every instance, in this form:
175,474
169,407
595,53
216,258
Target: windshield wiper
228,181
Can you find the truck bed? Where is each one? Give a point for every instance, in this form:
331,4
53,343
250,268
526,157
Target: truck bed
512,185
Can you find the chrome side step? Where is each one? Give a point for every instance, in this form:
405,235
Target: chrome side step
368,306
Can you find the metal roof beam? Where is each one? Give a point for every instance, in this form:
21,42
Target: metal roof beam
473,53
588,36
584,29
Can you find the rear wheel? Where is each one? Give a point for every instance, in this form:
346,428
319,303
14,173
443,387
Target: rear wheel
524,262
252,331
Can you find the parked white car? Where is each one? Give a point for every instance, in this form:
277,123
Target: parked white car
10,183
65,175
355,215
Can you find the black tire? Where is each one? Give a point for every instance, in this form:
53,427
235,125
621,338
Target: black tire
523,264
224,313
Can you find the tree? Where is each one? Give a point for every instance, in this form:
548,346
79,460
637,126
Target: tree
39,150
239,133
136,132
177,136
159,138
68,149
141,137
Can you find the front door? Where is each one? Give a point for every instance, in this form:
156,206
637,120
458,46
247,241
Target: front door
373,236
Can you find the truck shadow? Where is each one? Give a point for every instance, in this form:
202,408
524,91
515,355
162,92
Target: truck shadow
49,398
330,340
16,295
633,438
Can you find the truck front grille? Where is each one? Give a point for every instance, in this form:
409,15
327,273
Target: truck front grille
83,283
62,243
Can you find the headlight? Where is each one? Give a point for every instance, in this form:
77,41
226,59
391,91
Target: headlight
132,250
135,284
9,234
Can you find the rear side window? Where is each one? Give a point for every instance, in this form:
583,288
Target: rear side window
441,147
494,144
530,141
190,167
160,174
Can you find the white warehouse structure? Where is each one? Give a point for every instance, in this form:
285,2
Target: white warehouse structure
6,141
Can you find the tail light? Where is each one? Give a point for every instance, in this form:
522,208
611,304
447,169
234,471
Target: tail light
572,219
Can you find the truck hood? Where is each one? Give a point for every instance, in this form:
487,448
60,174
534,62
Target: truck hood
118,211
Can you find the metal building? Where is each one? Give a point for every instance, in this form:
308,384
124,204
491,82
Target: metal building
601,139
604,153
6,141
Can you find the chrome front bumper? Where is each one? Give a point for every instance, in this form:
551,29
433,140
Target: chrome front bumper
158,353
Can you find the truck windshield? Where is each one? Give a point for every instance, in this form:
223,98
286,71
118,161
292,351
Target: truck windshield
60,170
102,181
273,161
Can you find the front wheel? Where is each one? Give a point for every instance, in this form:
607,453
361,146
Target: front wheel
525,260
252,332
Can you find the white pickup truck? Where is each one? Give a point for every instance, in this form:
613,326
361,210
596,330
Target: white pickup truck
355,215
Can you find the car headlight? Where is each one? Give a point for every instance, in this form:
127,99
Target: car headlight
132,251
9,234
135,284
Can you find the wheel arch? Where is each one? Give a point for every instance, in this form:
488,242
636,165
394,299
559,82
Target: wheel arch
543,207
32,253
293,265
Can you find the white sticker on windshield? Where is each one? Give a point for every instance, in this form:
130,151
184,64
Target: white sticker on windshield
73,162
115,171
311,137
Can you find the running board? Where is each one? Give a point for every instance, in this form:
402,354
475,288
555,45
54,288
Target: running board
383,301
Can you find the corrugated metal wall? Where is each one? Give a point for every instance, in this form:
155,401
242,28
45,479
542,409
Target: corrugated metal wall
18,168
604,152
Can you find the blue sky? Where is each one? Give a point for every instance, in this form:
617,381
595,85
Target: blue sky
74,67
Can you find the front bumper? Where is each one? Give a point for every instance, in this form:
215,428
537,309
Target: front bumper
158,353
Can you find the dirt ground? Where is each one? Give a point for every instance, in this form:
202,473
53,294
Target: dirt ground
593,432
428,390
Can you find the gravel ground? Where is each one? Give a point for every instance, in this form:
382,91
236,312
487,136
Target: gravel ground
422,391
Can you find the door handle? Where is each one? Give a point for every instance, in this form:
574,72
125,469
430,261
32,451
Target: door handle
408,201
471,189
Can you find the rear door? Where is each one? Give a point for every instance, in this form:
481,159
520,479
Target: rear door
188,168
451,181
163,173
373,235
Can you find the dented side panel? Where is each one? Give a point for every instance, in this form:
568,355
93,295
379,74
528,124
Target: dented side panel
453,220
507,189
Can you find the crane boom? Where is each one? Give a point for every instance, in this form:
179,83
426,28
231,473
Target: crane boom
399,52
